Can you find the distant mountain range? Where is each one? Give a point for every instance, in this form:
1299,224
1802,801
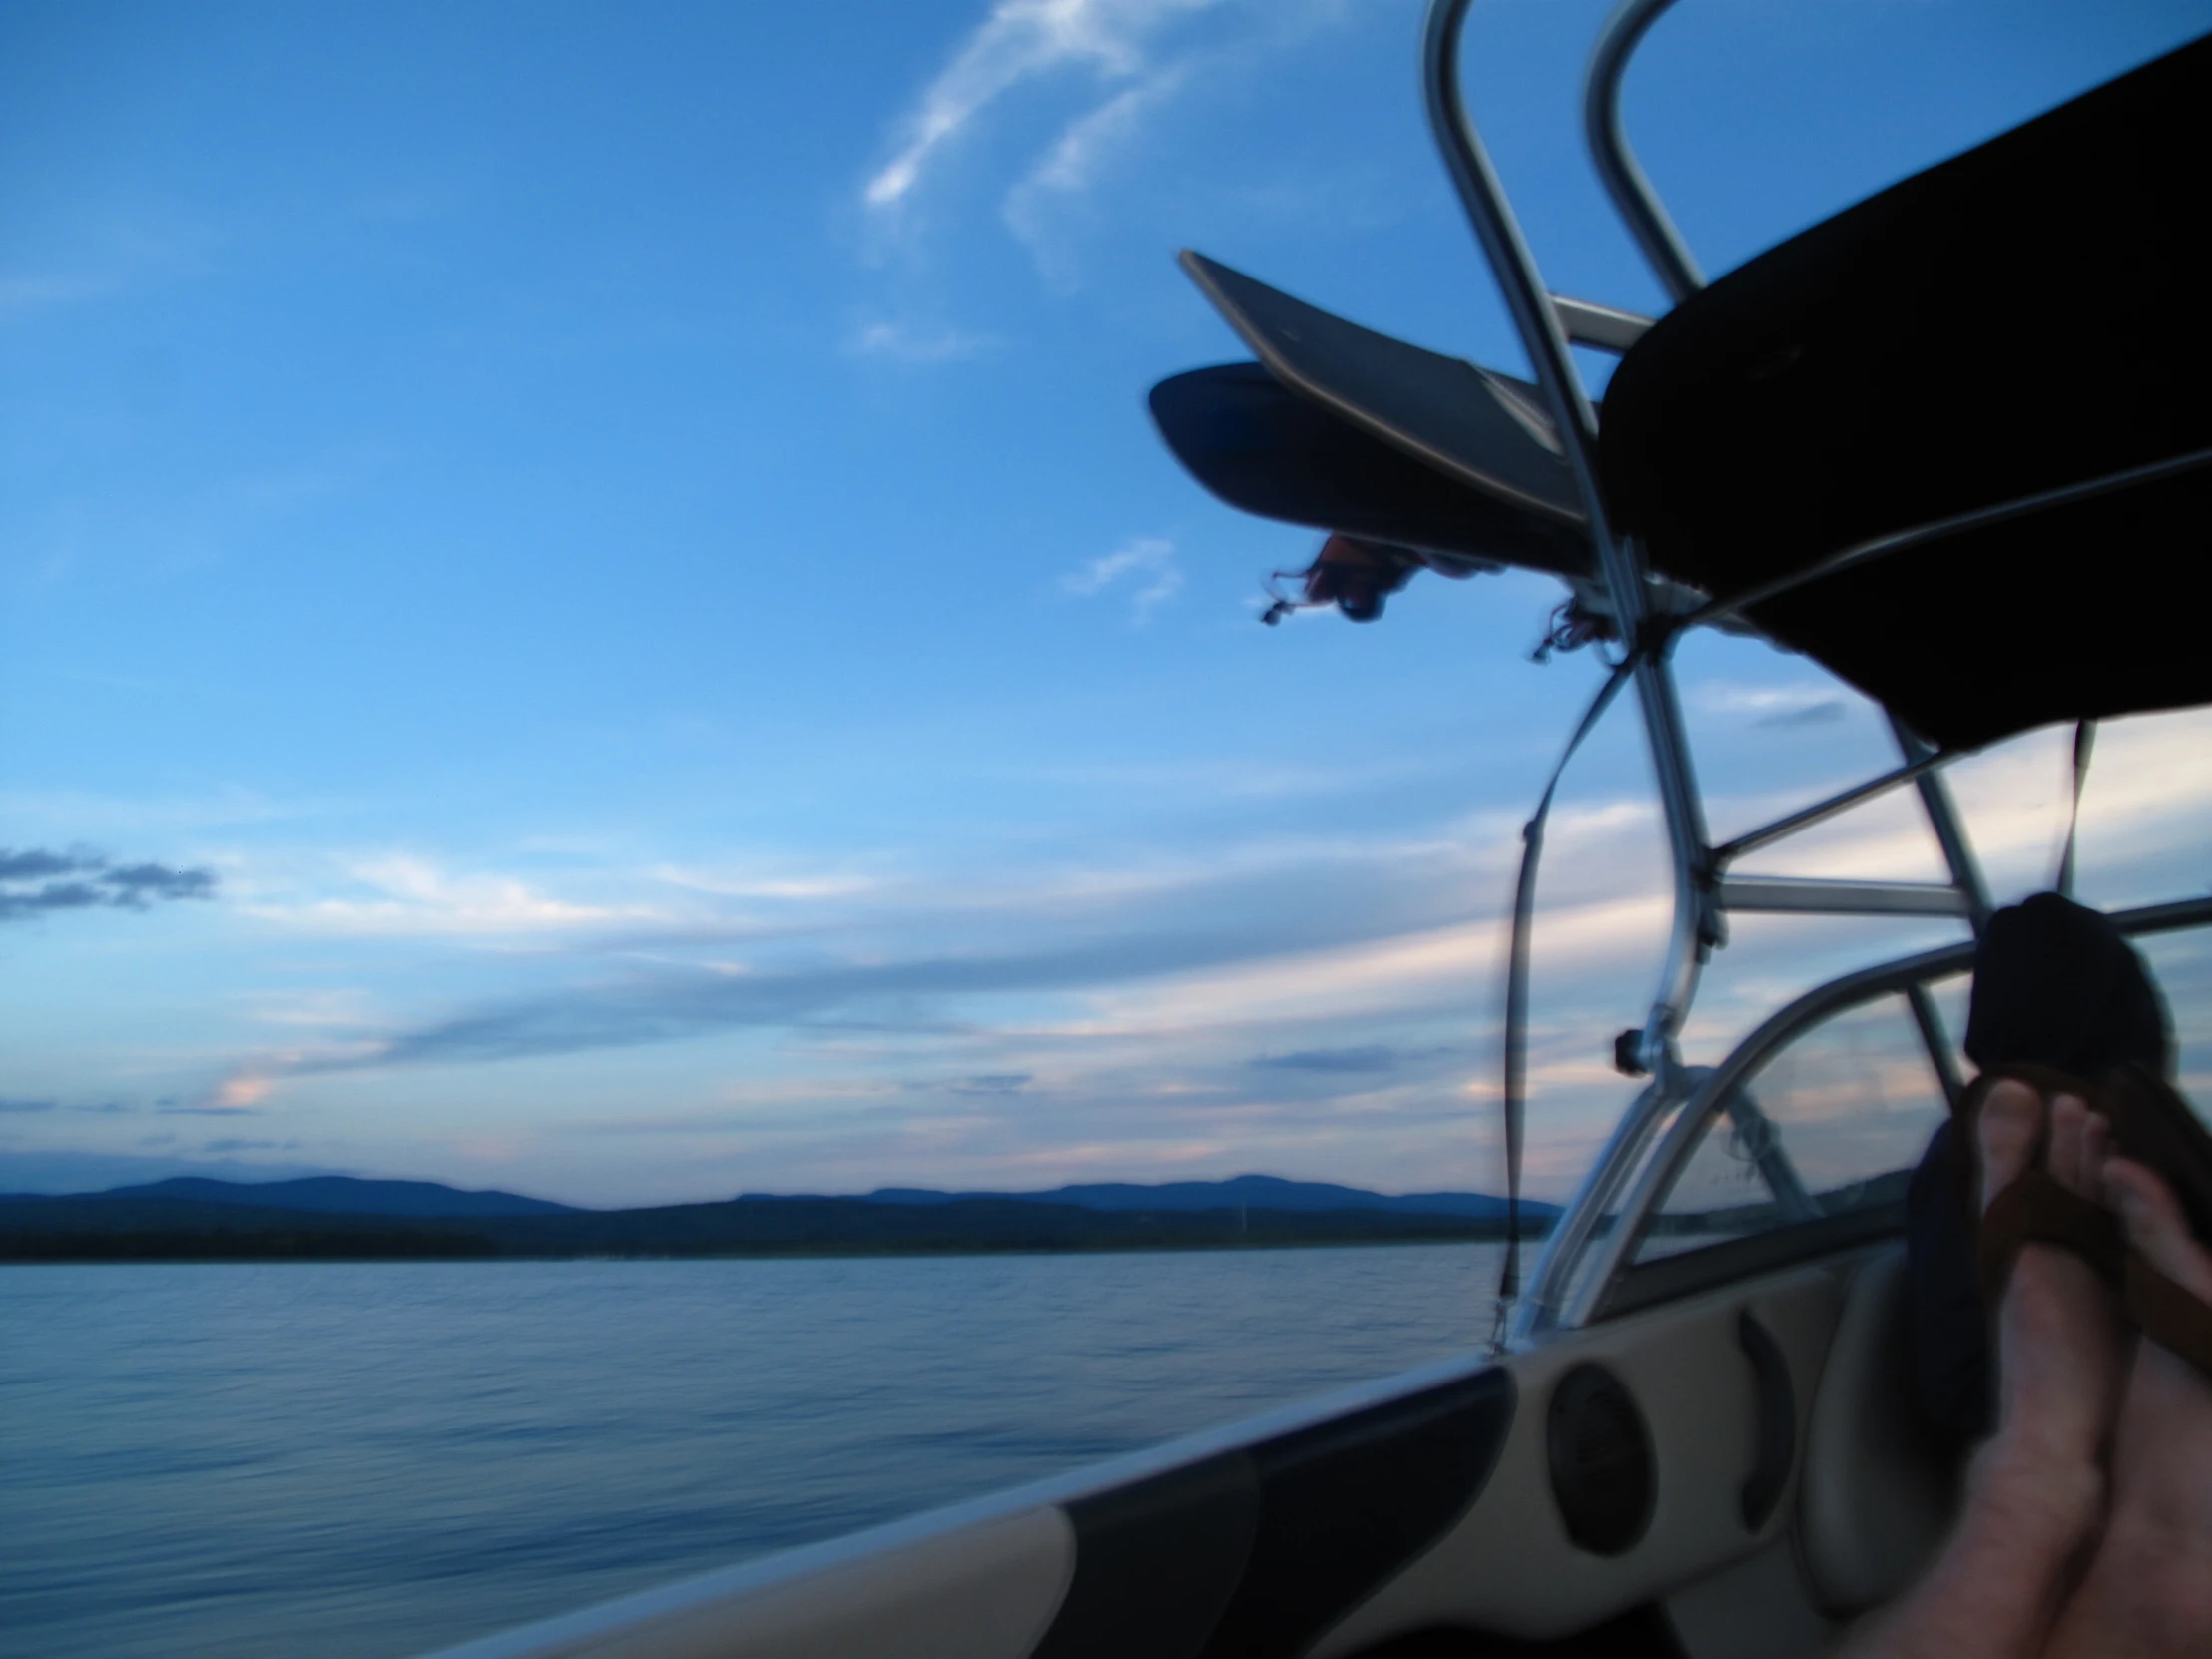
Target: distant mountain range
339,1217
1258,1192
344,1195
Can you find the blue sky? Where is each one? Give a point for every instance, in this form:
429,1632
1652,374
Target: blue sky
626,541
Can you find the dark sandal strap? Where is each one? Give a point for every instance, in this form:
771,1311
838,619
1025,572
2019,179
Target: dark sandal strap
2046,1081
2049,1082
2035,1208
2171,1316
2155,1127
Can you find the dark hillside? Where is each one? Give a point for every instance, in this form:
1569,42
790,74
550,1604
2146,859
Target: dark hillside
777,1226
344,1195
1258,1192
108,1227
100,1227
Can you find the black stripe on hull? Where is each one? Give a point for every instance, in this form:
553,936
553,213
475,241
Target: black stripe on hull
1255,1553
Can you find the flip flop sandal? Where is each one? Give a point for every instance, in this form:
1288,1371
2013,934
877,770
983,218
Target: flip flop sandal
2035,1208
2150,1124
2154,1126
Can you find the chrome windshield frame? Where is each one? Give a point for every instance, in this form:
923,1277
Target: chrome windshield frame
1697,924
1629,1173
1701,897
1565,1290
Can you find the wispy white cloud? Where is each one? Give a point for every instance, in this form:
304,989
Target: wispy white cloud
1148,560
346,1008
1019,41
1076,160
30,293
1805,703
111,258
1237,778
407,895
786,885
857,1019
1084,82
909,342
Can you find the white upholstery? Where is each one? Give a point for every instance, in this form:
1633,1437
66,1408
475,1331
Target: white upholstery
1508,1565
1755,1609
1874,1498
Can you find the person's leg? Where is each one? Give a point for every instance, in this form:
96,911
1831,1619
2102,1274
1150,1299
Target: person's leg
2035,1490
2149,1590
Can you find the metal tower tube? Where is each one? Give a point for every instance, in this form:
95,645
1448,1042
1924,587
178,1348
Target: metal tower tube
1696,921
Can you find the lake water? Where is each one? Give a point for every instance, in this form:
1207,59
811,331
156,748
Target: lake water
368,1460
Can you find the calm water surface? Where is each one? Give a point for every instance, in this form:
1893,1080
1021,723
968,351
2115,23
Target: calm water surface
365,1460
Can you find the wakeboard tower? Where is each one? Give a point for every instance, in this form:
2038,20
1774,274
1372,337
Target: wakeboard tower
1949,444
1952,450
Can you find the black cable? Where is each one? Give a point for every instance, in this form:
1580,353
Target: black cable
1516,993
2085,740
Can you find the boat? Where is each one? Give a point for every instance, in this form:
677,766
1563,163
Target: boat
1885,444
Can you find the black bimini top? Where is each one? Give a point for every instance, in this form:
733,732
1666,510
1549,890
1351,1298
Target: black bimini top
2033,313
2030,317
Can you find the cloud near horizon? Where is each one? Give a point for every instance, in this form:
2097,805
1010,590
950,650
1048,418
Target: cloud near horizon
35,882
1273,1003
1370,1057
1197,941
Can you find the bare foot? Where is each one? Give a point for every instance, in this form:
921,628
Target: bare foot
2060,1359
2149,1591
2036,1491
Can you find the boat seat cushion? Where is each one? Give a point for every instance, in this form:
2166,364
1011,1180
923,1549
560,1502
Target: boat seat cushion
2029,314
1877,1491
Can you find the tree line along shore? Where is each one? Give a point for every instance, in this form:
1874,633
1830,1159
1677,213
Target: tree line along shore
119,1228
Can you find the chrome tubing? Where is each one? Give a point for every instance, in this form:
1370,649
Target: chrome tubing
1617,168
1526,298
1600,328
1937,1041
1698,924
1816,895
1943,818
1540,1304
1821,811
1715,1087
1543,334
1654,1178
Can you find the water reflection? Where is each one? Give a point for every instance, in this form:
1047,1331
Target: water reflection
368,1460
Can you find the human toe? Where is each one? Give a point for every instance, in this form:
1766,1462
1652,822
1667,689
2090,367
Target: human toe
2008,1127
2152,1218
2079,1142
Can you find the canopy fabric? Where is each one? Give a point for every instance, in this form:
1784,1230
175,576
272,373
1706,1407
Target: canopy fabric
2029,314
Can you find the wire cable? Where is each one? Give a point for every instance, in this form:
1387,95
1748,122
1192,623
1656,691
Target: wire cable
2084,742
1516,996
